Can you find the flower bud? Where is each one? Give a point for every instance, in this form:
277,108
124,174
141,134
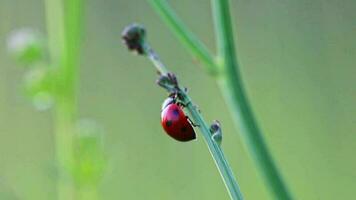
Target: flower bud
38,86
26,45
134,36
215,130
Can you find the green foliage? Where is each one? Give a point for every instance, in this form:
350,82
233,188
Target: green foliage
297,65
26,46
225,69
38,84
89,153
168,81
79,146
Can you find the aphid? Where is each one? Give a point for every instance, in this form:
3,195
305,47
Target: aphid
175,122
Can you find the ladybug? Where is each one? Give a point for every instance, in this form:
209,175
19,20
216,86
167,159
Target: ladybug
175,122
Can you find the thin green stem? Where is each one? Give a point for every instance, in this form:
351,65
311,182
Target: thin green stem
89,192
151,54
63,123
214,148
233,90
63,20
192,42
217,154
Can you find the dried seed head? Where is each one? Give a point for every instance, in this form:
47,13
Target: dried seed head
134,36
215,127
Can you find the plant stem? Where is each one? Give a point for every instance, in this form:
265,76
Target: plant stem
230,83
196,47
89,192
214,148
63,26
234,93
217,154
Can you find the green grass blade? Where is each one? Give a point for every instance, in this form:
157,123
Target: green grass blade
193,43
217,154
238,103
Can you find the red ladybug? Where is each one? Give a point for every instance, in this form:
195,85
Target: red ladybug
175,122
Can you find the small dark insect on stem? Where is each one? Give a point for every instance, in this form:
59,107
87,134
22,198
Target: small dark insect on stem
134,38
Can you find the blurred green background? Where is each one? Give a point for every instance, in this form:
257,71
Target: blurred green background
298,64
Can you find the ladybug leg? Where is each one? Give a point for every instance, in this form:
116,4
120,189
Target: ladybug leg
181,104
192,123
174,95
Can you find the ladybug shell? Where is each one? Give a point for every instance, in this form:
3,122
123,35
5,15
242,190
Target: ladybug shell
176,124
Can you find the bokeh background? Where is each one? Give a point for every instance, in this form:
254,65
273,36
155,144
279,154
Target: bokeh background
298,65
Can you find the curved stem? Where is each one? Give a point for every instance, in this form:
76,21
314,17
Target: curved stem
228,78
214,148
196,47
232,88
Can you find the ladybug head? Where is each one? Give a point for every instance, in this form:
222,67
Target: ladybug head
168,101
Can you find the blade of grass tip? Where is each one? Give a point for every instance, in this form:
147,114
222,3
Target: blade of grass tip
192,42
237,101
217,154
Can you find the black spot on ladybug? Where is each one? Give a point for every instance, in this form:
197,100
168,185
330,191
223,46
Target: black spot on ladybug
168,123
183,129
176,112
